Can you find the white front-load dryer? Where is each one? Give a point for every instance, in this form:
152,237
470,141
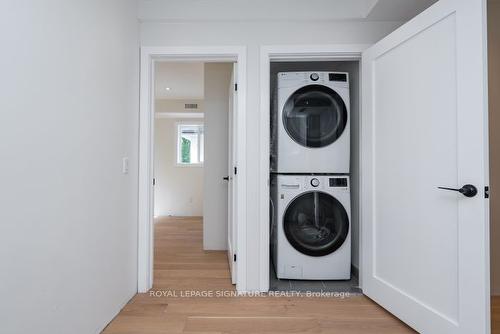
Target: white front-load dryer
310,227
310,124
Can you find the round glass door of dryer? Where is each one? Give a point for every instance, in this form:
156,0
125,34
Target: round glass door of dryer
316,223
315,116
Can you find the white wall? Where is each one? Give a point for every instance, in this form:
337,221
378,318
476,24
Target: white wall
217,79
178,190
69,113
254,34
163,105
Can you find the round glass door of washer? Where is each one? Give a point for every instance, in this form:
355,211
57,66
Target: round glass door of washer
316,223
314,116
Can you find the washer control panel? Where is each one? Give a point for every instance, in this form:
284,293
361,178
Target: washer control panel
338,182
314,182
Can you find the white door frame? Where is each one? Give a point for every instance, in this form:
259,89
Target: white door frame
286,53
146,142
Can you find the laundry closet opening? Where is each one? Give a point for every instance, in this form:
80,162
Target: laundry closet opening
314,176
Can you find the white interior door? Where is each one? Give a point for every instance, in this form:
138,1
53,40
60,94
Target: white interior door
232,182
425,250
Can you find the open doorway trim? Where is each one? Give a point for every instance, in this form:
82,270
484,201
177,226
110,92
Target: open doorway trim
146,141
286,53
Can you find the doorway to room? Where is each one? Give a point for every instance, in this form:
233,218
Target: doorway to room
181,174
193,109
190,209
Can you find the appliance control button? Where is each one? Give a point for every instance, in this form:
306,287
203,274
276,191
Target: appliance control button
314,77
314,182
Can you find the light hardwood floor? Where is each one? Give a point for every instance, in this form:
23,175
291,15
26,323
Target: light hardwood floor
182,265
495,315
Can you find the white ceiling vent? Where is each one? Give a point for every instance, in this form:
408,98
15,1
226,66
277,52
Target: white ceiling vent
191,106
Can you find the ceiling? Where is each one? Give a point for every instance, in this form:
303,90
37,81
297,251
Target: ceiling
187,10
398,10
185,80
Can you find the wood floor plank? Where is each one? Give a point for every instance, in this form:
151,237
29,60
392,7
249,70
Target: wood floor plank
190,266
253,324
124,324
191,273
495,315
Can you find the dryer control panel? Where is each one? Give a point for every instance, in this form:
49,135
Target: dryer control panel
337,77
331,79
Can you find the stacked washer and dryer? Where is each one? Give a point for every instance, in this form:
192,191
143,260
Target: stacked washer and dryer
310,185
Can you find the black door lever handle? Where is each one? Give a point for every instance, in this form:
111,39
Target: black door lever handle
467,190
226,178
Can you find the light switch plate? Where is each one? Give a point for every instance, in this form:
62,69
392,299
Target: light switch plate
125,165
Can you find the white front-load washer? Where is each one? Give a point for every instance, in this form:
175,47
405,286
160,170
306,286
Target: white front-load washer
310,124
310,227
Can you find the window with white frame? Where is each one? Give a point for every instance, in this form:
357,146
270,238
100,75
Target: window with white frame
190,146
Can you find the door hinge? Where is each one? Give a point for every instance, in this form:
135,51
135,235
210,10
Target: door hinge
235,170
486,192
236,87
234,257
154,181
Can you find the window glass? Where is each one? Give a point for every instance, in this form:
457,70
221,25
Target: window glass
190,144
